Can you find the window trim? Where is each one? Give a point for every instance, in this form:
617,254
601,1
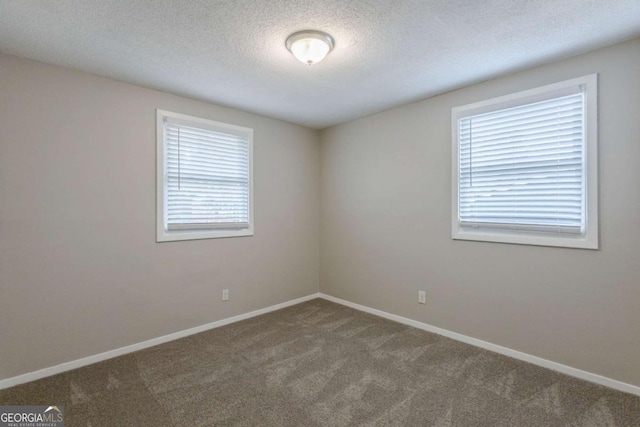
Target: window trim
588,240
162,234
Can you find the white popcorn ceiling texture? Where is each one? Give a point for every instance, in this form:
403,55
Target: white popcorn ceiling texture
232,52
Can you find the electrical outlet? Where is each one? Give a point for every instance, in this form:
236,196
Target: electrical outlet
422,297
225,294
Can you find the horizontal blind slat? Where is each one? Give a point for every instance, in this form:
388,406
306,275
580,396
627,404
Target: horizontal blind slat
523,166
206,179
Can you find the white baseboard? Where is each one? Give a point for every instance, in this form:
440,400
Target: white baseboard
574,372
67,366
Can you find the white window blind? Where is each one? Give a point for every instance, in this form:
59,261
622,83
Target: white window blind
523,168
206,177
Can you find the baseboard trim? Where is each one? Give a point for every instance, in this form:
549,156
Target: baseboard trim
574,372
67,366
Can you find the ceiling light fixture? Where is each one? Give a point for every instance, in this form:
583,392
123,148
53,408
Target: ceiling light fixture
309,46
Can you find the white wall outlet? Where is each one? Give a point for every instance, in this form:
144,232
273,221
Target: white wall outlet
422,297
225,294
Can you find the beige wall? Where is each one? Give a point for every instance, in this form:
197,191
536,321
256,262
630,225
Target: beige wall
80,271
386,229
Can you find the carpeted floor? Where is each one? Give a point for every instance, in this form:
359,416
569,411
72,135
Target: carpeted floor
322,364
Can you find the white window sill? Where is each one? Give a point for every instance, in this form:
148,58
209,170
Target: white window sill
520,238
173,236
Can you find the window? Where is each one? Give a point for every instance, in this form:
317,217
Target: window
204,183
525,167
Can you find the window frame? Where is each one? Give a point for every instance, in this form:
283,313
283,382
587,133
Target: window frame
164,235
588,239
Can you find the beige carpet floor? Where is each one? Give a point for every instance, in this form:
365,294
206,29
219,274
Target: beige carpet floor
322,364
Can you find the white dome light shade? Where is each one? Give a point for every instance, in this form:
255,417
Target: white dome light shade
309,46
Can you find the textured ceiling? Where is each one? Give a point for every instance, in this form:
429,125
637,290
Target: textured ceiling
388,52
